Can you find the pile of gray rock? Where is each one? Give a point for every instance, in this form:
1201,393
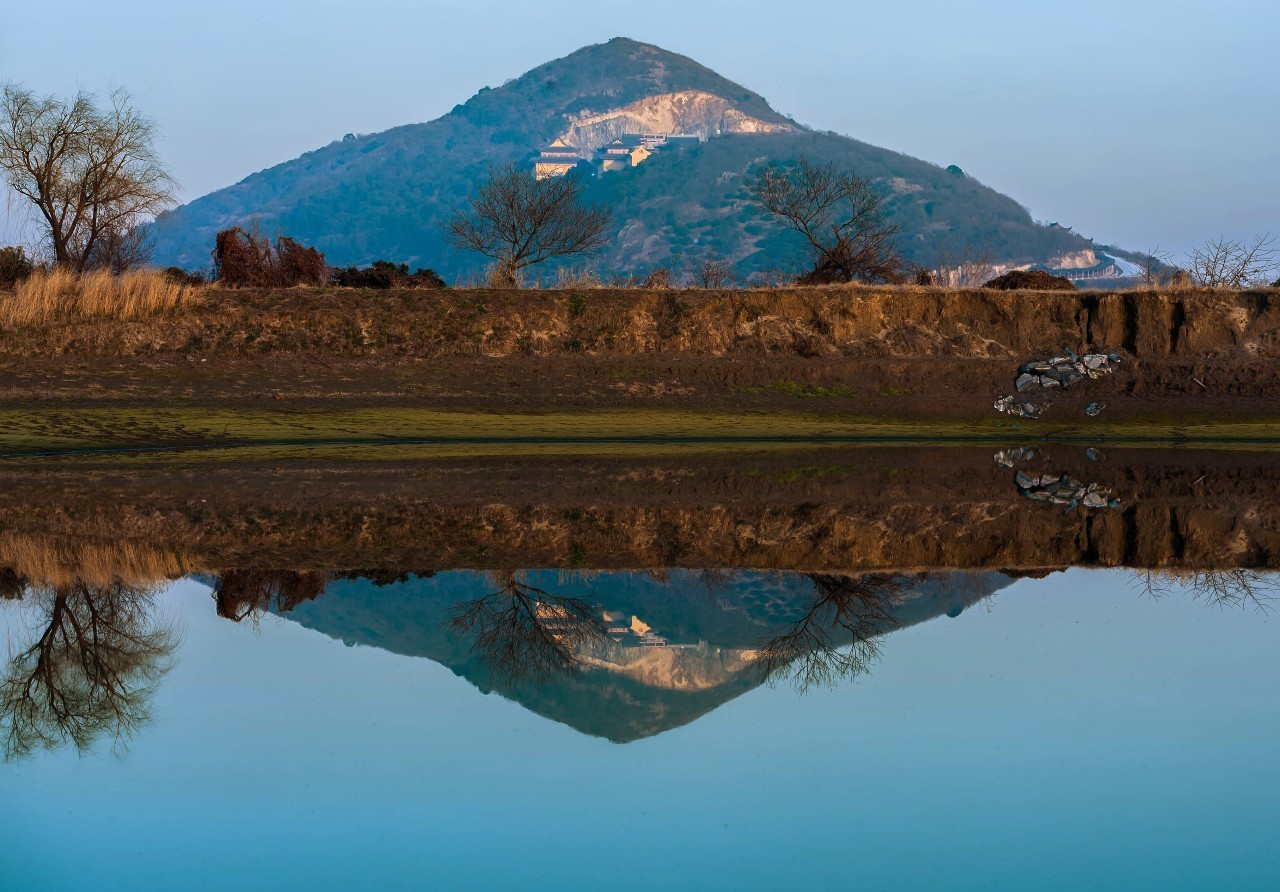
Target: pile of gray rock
1039,380
1064,490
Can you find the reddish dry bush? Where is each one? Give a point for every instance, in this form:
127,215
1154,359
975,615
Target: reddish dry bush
248,259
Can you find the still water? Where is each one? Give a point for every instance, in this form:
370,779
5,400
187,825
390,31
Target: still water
1080,728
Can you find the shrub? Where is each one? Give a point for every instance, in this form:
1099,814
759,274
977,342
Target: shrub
15,266
249,259
384,274
179,276
659,279
1030,280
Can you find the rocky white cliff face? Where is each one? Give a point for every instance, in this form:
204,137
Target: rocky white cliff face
688,112
673,669
1076,260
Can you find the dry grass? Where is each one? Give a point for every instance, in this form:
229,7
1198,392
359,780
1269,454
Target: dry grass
61,295
91,563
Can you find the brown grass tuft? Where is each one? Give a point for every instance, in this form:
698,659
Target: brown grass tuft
61,295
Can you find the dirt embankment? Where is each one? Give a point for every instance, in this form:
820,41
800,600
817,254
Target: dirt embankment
837,510
806,322
902,353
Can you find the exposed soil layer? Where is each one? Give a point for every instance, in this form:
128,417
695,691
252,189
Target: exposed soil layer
900,353
833,509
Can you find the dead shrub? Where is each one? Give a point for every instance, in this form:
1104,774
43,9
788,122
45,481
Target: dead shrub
569,278
660,279
714,273
248,259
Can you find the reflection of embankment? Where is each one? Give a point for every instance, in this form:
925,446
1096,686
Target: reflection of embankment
835,509
62,562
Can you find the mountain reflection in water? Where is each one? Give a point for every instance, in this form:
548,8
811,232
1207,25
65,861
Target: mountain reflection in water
618,598
617,654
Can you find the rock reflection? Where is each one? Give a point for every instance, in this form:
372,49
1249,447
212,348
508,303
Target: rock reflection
96,656
523,632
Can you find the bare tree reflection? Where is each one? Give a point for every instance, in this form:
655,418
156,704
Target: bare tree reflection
523,632
1218,588
241,594
836,637
98,656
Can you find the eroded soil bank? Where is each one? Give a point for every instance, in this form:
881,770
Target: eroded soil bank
875,353
832,509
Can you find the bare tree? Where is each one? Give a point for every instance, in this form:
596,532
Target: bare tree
714,272
972,267
836,636
519,220
1155,266
97,657
1223,263
92,173
524,632
841,215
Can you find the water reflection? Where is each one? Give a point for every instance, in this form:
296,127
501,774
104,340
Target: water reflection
95,656
1218,588
242,594
617,654
524,632
835,638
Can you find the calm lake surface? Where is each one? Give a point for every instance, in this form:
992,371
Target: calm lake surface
1054,723
1072,732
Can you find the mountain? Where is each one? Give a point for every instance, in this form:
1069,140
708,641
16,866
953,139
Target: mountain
386,195
711,626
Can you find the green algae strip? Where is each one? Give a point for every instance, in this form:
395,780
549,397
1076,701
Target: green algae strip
67,430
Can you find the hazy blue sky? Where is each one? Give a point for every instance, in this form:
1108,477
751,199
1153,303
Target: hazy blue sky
1138,122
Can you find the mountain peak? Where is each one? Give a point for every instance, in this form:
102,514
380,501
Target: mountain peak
604,77
386,195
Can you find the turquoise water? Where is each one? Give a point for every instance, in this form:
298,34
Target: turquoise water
1069,732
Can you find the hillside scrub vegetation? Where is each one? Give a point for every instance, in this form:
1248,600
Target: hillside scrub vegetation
382,275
